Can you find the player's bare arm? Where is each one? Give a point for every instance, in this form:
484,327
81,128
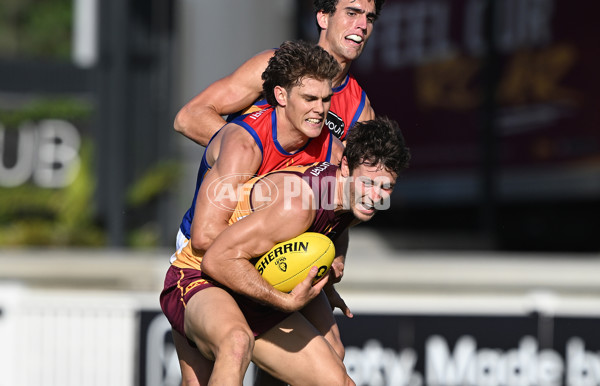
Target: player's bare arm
336,273
337,150
201,117
341,247
235,158
368,113
227,260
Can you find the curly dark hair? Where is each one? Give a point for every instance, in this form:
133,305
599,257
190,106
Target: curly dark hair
378,141
293,61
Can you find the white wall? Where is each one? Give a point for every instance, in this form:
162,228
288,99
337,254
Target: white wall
213,39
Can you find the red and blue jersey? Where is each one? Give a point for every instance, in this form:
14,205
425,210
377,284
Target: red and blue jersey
262,126
347,104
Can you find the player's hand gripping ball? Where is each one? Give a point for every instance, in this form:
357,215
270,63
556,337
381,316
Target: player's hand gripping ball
289,262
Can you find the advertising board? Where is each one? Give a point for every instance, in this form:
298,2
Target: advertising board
434,350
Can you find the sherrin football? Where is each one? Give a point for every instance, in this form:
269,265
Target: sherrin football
289,262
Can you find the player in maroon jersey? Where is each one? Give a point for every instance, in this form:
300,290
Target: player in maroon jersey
344,27
298,81
219,301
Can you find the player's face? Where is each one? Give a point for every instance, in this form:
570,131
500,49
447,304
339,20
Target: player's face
307,106
347,30
369,190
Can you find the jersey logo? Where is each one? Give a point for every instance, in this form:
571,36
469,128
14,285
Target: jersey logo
335,124
257,114
319,168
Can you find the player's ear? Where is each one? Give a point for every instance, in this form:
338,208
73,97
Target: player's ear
280,95
344,167
322,19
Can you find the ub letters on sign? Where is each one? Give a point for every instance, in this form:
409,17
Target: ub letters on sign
47,153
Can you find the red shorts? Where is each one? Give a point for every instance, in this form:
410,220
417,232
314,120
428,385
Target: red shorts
183,283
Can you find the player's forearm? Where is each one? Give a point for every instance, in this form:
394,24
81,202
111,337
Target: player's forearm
198,123
241,276
341,244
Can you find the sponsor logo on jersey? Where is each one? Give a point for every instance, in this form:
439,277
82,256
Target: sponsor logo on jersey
335,124
318,169
256,114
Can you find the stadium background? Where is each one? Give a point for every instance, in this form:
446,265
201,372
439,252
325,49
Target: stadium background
483,273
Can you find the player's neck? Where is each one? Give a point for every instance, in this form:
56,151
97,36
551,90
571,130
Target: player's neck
343,62
289,138
338,80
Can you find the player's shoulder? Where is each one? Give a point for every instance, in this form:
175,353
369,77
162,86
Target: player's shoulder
290,179
350,88
234,149
367,113
292,195
234,134
337,150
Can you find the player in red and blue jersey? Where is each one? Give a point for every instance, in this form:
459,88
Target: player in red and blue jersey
262,128
297,83
344,27
290,133
348,103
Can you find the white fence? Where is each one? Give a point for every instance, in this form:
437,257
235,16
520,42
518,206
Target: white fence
93,338
87,334
59,338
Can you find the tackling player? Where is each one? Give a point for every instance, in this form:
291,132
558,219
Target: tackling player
197,298
298,82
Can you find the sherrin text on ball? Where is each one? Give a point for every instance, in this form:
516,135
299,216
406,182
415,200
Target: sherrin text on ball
289,262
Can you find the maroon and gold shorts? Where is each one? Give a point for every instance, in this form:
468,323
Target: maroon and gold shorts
183,283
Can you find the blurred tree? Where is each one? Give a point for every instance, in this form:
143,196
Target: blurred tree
36,29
